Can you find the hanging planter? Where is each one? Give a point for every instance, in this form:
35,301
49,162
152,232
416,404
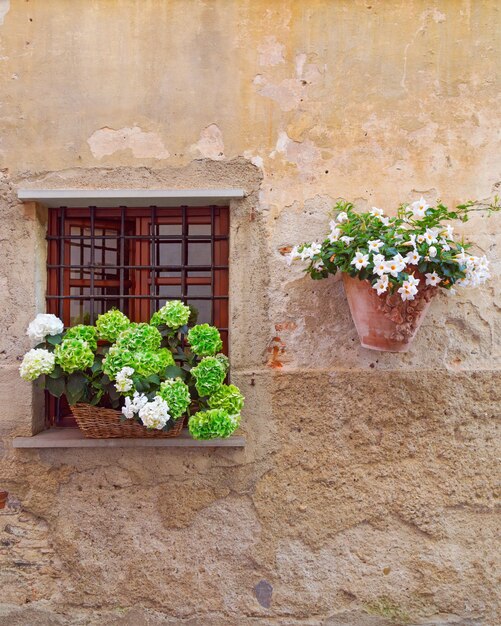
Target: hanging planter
123,379
385,322
393,266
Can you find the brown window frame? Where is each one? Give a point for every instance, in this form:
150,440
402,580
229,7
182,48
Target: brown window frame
137,276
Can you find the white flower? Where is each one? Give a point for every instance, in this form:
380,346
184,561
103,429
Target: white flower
123,382
44,324
37,362
418,208
342,217
347,240
396,265
412,239
334,235
432,278
413,281
448,232
384,220
309,251
376,212
407,291
432,251
431,236
445,246
420,238
361,260
293,255
412,257
155,414
374,245
318,265
135,405
380,266
381,285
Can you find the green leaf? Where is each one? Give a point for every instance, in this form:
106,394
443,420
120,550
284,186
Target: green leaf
54,339
75,387
55,386
173,371
57,372
96,367
153,379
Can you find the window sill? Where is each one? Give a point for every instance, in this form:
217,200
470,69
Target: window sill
73,438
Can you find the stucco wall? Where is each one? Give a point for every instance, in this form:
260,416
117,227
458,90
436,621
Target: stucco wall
366,494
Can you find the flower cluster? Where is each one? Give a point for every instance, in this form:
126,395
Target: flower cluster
73,355
123,380
86,333
213,423
155,414
227,397
44,324
133,405
139,337
177,395
37,362
144,362
110,324
204,340
209,375
411,251
173,314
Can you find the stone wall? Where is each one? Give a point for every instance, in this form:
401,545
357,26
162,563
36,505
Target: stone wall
366,494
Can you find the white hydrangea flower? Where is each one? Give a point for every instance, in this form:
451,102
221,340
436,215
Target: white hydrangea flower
155,414
37,362
44,324
135,405
123,381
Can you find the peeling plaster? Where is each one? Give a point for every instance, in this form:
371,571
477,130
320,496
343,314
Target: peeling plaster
4,9
305,155
210,145
143,145
271,52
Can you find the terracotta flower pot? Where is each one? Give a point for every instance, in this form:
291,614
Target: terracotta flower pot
3,499
385,322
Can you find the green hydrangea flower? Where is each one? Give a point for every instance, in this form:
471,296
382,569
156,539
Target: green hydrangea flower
139,337
173,314
87,333
227,397
213,423
109,325
144,362
73,355
209,375
177,395
204,340
224,360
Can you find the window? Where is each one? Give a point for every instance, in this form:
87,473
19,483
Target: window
135,259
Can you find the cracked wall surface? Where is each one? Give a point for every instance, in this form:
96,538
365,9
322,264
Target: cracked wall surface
368,491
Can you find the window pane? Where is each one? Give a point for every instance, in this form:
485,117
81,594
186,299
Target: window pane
169,253
199,253
169,291
204,308
170,230
199,229
199,290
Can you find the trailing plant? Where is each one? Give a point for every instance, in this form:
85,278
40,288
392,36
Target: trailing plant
156,373
413,250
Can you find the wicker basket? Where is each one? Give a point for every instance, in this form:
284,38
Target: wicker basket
100,423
